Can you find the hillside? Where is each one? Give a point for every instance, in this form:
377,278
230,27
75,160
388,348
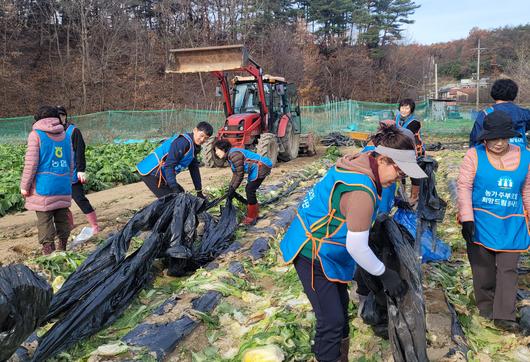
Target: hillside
110,56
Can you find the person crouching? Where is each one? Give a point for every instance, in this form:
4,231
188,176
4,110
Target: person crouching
243,161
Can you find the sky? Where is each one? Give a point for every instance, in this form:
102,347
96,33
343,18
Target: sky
444,20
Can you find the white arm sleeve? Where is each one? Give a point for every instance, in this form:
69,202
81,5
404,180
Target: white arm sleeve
357,246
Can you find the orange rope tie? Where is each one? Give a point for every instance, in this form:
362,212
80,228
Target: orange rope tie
331,217
159,173
313,256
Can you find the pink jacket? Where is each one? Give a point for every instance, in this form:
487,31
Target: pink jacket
468,169
36,202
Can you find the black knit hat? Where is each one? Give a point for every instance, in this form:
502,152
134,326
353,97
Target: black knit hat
497,124
61,110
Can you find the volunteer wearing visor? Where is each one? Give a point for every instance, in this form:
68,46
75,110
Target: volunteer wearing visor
493,199
329,235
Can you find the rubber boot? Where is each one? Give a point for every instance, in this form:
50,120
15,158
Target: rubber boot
48,248
344,349
252,214
70,217
93,220
61,245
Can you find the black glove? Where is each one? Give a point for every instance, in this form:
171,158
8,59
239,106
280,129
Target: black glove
231,193
393,284
201,195
468,230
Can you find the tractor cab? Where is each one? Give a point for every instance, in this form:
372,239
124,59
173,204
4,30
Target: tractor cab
246,98
262,112
280,99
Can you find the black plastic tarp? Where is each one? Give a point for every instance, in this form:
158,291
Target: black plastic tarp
96,294
188,254
431,207
337,139
24,301
393,244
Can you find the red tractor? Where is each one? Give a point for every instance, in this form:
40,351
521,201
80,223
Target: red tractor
262,112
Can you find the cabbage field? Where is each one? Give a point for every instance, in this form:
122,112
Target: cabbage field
262,313
109,165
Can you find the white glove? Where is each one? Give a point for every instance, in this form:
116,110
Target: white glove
81,176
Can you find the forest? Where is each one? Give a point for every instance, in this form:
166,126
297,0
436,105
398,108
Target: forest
95,55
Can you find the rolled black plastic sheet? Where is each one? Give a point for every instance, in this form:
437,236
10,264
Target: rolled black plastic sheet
407,330
100,290
24,301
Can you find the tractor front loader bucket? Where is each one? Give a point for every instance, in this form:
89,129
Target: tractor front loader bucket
209,59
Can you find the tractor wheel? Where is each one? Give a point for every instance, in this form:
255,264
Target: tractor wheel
291,144
268,147
209,157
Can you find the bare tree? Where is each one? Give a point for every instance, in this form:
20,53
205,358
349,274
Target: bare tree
519,71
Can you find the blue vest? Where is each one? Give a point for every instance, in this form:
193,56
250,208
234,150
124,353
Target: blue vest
420,148
69,133
518,141
156,159
500,222
251,163
315,212
388,194
53,173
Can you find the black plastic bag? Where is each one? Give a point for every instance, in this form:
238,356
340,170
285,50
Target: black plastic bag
430,206
394,246
24,301
98,292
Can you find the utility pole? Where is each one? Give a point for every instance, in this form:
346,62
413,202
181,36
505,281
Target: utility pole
435,80
425,96
478,72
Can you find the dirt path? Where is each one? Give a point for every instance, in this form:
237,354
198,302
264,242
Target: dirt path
18,232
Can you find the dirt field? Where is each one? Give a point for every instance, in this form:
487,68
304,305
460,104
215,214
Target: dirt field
18,232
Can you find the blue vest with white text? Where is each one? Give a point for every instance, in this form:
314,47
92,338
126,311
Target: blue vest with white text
500,222
156,159
53,173
315,212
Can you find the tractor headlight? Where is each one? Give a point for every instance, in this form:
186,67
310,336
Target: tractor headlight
226,128
241,128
